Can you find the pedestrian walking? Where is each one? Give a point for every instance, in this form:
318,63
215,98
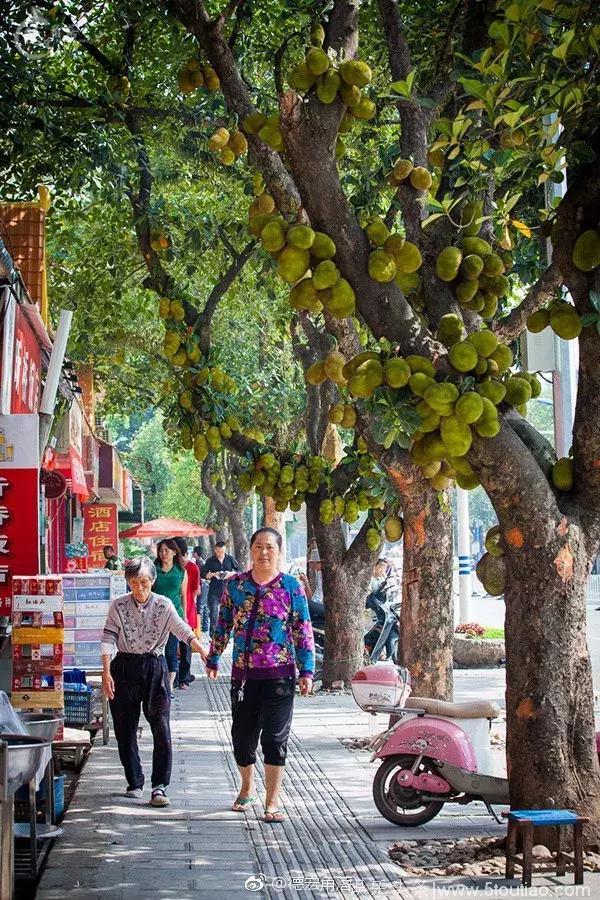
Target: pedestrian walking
171,582
202,602
272,637
138,625
184,676
216,570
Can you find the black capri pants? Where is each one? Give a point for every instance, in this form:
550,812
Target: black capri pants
266,712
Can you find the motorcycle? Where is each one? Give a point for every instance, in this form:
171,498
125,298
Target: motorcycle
434,753
383,634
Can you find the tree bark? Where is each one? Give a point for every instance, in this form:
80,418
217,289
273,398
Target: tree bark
346,574
239,537
427,614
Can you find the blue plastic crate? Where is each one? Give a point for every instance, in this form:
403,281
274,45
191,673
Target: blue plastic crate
78,707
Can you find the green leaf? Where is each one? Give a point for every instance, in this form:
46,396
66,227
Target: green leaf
474,88
426,102
595,300
589,319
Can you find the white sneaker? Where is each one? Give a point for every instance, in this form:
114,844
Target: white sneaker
159,797
134,793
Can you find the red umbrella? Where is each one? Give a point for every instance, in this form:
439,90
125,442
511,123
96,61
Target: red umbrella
166,528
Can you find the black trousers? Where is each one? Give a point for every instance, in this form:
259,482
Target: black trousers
141,682
185,663
266,712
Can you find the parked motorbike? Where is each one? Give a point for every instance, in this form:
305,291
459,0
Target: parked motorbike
381,635
434,753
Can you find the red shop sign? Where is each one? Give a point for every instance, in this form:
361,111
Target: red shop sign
99,529
19,502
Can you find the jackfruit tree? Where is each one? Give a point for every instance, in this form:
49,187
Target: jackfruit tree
399,193
502,113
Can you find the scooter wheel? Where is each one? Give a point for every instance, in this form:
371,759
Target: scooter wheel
402,806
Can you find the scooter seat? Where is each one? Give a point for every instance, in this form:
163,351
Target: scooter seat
471,709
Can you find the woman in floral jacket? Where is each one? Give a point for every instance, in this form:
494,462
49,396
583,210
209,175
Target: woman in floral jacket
272,637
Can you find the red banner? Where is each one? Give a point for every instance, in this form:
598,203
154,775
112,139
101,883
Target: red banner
19,502
99,529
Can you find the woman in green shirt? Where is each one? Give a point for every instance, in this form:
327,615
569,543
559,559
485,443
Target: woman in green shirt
171,582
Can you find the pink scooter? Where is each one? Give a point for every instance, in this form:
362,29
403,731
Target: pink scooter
435,752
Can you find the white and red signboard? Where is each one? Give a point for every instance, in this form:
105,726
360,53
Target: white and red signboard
21,363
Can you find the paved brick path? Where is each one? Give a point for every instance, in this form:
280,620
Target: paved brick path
123,849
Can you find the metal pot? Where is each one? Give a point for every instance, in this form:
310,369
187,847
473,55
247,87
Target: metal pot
25,756
42,725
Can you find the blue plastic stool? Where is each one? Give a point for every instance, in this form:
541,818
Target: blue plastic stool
524,821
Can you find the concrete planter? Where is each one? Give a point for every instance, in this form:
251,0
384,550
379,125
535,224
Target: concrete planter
477,653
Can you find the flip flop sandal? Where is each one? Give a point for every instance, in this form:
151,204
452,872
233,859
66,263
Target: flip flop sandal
274,815
242,803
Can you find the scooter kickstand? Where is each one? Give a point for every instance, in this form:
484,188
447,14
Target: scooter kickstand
492,813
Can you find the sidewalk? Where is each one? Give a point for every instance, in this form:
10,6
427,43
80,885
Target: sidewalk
334,843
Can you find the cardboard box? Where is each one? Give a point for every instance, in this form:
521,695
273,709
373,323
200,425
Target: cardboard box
48,603
37,682
46,652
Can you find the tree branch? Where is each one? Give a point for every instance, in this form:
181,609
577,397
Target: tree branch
219,290
544,290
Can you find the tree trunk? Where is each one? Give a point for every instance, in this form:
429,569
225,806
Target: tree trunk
274,519
427,614
237,533
551,751
346,575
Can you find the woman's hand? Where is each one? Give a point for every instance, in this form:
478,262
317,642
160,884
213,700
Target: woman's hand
305,685
108,685
199,649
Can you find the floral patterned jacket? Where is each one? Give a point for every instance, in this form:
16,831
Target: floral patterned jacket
272,632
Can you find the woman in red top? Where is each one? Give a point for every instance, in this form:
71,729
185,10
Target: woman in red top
185,676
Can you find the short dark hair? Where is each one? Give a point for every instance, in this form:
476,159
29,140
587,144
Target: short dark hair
197,550
108,547
268,530
182,544
221,544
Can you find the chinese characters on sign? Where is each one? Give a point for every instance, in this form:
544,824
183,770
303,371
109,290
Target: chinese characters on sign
99,529
19,502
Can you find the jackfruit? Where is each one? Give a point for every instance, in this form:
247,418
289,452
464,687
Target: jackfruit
438,396
271,134
273,235
323,247
238,143
317,61
471,266
565,322
301,78
485,342
503,356
377,232
456,436
393,244
350,94
328,86
448,263
466,290
396,372
491,571
341,301
472,211
562,474
467,482
490,306
292,264
468,407
317,35
476,245
355,71
419,382
518,391
493,265
421,364
434,449
394,528
254,122
494,391
487,428
227,156
325,275
537,321
382,267
300,236
219,139
408,284
450,330
408,258
349,418
463,357
315,374
402,169
492,541
420,178
303,295
586,252
365,109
